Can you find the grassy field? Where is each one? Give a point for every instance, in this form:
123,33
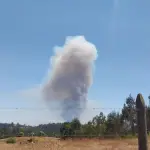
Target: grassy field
45,143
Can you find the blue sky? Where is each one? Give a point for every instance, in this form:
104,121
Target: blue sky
29,29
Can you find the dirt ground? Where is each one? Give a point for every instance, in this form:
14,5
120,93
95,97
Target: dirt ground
78,144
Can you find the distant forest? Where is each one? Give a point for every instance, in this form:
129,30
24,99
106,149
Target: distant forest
114,124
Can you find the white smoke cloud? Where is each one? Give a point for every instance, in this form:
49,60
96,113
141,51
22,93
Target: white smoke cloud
71,75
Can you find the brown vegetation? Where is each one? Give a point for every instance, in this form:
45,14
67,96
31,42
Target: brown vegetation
45,143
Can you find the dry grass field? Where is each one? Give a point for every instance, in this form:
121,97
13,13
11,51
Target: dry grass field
45,143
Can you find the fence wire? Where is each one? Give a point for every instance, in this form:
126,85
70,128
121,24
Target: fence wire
56,108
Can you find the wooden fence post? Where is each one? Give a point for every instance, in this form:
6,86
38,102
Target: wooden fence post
141,123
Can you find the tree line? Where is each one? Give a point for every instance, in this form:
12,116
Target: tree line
122,123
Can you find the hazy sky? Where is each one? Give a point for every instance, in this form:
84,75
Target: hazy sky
29,29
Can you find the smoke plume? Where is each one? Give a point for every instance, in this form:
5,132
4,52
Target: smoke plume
71,76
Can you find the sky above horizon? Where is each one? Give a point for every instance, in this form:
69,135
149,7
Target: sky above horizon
29,29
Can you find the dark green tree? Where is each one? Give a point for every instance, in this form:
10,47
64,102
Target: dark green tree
99,123
129,114
66,130
113,123
99,119
75,124
89,129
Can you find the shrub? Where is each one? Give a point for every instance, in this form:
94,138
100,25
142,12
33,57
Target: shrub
41,133
11,140
20,134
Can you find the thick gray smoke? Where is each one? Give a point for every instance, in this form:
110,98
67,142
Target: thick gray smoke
71,76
